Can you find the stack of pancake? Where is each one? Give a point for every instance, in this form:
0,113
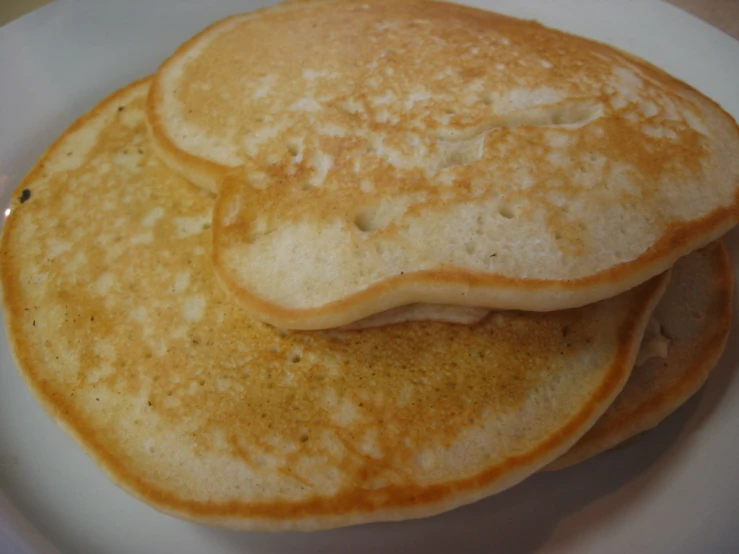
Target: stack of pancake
349,261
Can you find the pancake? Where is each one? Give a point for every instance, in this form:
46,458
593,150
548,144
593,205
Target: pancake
459,315
695,315
122,333
374,154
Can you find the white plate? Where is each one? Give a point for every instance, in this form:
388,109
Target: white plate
674,491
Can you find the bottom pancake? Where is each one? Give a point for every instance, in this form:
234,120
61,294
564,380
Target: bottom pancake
121,331
695,315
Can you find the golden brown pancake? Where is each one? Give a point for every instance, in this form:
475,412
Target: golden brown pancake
374,154
121,331
695,315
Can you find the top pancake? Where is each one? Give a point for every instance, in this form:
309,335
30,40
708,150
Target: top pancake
121,330
386,153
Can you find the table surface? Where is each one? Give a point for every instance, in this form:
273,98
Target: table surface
723,14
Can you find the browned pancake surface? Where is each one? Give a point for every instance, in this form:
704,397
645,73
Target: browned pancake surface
122,332
396,152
